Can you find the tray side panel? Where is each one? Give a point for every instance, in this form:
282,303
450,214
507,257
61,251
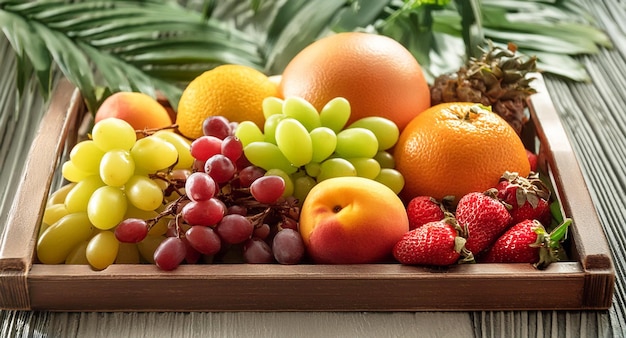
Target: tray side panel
587,235
308,288
19,237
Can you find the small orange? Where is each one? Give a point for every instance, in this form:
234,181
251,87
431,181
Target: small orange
455,148
376,74
233,91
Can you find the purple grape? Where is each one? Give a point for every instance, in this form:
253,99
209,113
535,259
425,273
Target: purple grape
131,230
249,174
170,253
192,255
288,247
203,239
234,229
256,251
267,189
204,147
232,148
237,209
217,126
262,231
220,167
200,186
205,213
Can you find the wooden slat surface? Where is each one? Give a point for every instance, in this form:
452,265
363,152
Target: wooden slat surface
594,116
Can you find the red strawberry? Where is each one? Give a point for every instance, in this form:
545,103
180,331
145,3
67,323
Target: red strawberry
528,242
527,196
483,217
532,159
436,243
422,210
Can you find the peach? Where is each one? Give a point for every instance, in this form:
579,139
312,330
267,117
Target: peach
351,220
140,110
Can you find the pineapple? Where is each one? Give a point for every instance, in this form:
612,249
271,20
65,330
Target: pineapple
497,79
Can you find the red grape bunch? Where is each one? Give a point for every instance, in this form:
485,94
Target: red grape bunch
224,210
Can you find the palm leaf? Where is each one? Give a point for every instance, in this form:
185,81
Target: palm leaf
143,45
119,43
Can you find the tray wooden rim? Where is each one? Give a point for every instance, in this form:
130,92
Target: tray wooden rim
585,283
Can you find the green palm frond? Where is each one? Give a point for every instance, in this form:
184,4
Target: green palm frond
131,45
104,46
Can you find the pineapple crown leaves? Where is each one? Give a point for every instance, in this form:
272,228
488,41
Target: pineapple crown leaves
549,244
503,71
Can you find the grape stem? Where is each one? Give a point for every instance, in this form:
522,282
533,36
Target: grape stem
150,131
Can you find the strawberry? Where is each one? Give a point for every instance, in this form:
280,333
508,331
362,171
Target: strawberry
436,243
528,242
532,159
483,217
528,197
424,209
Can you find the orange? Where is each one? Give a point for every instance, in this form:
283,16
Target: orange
233,91
376,74
452,149
140,110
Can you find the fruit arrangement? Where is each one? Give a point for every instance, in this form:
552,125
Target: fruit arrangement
341,159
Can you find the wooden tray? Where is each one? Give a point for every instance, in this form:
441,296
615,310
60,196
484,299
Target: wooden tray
585,282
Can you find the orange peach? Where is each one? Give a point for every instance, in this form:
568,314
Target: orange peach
140,110
351,220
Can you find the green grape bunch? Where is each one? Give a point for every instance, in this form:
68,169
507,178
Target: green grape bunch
305,146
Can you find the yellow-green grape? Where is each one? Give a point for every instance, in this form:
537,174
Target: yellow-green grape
288,182
148,246
301,187
385,159
248,132
386,131
102,250
113,133
324,141
268,156
303,111
312,169
153,154
143,192
58,196
335,167
272,106
78,256
270,127
294,141
54,213
365,167
60,238
106,207
392,178
116,167
335,114
182,145
356,142
161,227
86,156
71,173
77,199
128,254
